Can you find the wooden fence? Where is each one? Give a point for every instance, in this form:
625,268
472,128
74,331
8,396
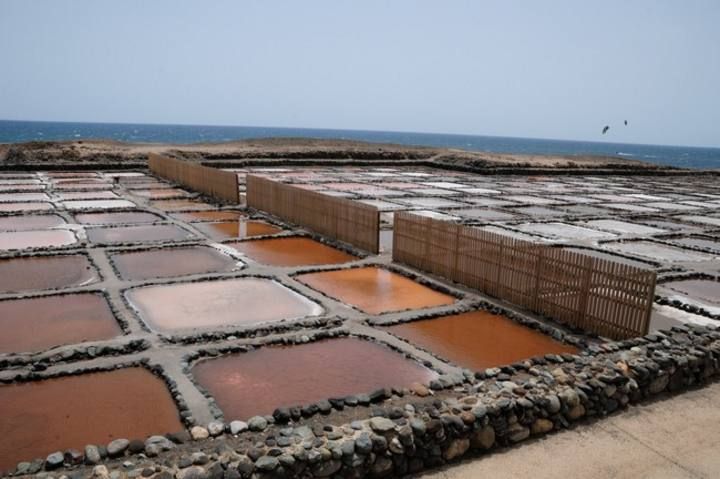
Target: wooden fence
605,297
339,218
210,181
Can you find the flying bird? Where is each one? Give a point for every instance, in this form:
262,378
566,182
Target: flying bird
607,127
625,122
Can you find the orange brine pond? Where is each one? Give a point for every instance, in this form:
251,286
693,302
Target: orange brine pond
237,229
164,263
29,222
198,216
44,416
479,339
13,240
35,324
209,304
122,234
45,272
179,205
293,251
121,217
375,290
257,382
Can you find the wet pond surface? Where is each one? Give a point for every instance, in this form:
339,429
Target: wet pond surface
41,417
98,204
45,272
29,222
26,206
257,382
35,324
478,339
707,243
168,262
122,234
292,251
16,240
121,217
218,303
179,205
375,290
237,229
702,289
198,216
656,251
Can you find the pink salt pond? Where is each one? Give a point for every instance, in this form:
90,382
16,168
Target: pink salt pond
45,272
235,302
117,218
29,222
36,324
41,417
142,233
23,206
168,262
16,240
239,229
257,382
160,193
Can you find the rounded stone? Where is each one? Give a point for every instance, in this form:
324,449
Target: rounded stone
216,428
54,460
257,423
117,447
236,427
199,432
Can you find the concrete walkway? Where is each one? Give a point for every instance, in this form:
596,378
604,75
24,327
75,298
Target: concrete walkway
677,437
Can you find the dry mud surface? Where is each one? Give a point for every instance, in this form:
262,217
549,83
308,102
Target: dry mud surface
282,354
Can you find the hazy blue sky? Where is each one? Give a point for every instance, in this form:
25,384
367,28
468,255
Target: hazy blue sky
552,69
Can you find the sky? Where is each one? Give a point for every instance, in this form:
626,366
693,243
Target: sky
542,69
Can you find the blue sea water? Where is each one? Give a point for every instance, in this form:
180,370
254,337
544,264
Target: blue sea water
681,156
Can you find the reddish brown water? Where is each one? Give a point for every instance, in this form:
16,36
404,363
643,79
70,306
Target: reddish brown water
128,217
197,216
218,303
237,229
375,290
36,324
257,382
29,222
291,252
479,339
15,240
123,234
179,205
45,272
164,263
57,414
39,206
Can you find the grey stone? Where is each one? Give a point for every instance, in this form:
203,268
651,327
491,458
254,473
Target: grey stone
194,472
54,460
215,428
553,405
117,447
92,455
483,438
381,424
328,468
518,432
363,443
199,458
257,423
154,445
267,463
236,427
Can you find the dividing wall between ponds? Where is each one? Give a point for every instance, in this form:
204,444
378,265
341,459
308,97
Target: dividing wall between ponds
350,221
597,295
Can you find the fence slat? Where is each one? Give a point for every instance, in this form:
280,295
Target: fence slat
355,223
600,296
210,181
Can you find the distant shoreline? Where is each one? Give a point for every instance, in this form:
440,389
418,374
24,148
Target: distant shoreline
116,154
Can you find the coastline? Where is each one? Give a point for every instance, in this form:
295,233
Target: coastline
114,154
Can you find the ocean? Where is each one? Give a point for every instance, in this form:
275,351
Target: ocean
681,156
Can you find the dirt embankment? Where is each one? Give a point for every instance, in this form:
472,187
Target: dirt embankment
112,154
